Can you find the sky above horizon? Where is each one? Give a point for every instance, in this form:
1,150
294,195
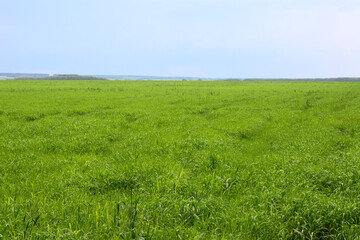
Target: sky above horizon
200,38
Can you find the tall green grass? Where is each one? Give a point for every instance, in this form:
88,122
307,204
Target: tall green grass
179,160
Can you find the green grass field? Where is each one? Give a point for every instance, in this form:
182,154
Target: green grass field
179,160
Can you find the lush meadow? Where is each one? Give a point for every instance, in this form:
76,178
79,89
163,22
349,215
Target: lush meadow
179,160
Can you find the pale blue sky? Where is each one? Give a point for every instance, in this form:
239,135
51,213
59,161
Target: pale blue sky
205,38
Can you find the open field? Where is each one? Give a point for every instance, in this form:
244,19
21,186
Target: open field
179,160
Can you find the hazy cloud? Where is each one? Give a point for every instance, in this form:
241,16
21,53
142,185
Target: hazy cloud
227,38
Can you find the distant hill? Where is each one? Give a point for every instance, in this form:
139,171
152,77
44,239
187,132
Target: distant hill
140,77
44,76
22,75
62,77
38,76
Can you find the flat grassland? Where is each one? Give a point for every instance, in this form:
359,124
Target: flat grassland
179,160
